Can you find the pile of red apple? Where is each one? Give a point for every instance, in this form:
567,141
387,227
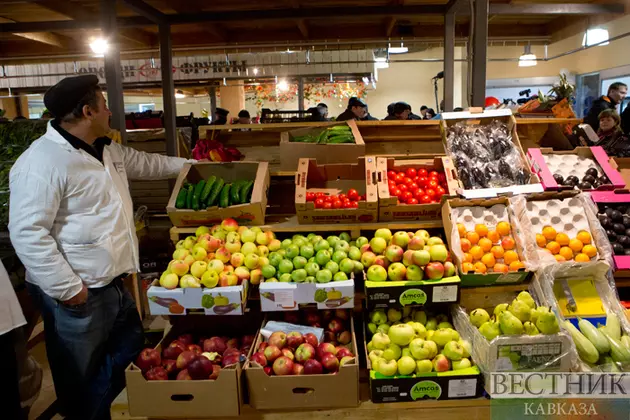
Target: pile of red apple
184,359
297,354
417,186
350,200
336,324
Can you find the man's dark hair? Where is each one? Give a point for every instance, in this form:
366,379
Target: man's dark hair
244,114
458,109
354,101
400,107
390,109
322,105
616,86
90,99
423,107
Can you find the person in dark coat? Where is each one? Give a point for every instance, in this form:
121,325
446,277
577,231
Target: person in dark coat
220,116
368,116
356,110
625,120
611,137
616,94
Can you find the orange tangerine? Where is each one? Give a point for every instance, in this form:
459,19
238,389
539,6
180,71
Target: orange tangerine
584,237
589,250
508,243
494,236
582,258
562,239
554,247
468,258
541,241
549,232
485,244
476,252
566,252
466,267
461,229
576,245
516,265
482,230
465,244
560,258
488,260
473,237
509,257
480,268
497,251
500,268
503,228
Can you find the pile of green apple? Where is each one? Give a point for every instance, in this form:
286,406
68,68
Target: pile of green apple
411,342
406,256
313,259
223,255
521,316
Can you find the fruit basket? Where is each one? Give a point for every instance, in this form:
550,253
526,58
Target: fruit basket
329,143
414,355
327,377
217,191
487,241
484,155
588,308
407,268
562,228
411,188
612,211
557,169
314,182
169,382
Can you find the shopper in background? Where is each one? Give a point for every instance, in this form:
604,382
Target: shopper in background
401,111
71,223
356,110
244,117
323,108
390,112
616,94
423,111
429,114
220,116
625,120
611,137
368,116
412,116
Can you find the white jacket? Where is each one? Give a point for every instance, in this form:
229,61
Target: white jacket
71,216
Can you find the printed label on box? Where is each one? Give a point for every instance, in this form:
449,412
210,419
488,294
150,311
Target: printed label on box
528,356
284,298
442,294
462,388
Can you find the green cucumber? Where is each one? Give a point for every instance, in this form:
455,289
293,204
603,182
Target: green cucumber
197,194
340,128
207,189
224,197
341,139
189,197
213,198
246,192
180,202
234,190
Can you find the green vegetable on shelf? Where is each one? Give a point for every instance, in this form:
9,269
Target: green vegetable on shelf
214,194
180,202
207,189
224,197
197,194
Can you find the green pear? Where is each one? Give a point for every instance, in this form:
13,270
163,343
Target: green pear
510,324
406,311
530,328
520,310
490,330
431,324
372,327
500,308
378,317
525,297
392,352
419,316
374,355
478,317
394,315
537,312
547,323
384,328
418,328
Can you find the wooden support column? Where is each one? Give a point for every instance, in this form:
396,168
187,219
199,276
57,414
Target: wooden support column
168,89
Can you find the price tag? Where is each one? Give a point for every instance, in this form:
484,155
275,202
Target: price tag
284,298
445,294
461,388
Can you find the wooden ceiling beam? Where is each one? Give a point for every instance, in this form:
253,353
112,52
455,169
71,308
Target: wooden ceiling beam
214,29
390,23
303,27
48,38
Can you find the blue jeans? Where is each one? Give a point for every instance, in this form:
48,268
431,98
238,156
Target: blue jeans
89,346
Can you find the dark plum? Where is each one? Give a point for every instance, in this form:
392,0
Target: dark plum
592,172
589,179
558,178
608,212
618,249
616,216
605,221
626,251
585,186
624,241
604,180
626,220
619,228
573,179
612,236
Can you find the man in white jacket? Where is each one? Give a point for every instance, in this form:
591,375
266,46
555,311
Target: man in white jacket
71,223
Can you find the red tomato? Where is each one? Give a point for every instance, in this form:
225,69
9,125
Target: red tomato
391,174
418,194
320,195
399,177
403,187
423,181
342,197
430,192
353,194
362,198
329,199
433,184
433,201
439,192
442,177
391,184
416,179
319,203
433,174
407,195
422,172
328,206
310,196
354,204
346,204
413,187
412,200
337,204
411,172
395,192
425,199
408,181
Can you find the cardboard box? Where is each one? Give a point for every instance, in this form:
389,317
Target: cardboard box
596,153
473,279
623,166
451,118
278,296
326,391
229,300
388,207
252,213
291,152
336,179
187,399
622,262
386,294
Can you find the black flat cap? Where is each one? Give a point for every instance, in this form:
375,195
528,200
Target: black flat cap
222,112
354,101
62,98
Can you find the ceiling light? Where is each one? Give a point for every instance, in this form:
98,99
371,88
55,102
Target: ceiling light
381,63
397,50
179,94
527,59
255,71
99,46
282,86
595,36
